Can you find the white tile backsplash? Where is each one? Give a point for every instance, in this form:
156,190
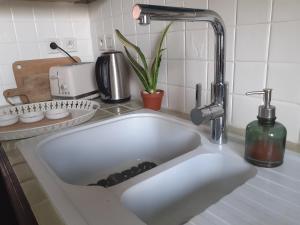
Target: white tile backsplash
284,79
251,42
254,11
62,12
196,72
129,24
118,23
9,52
286,10
7,32
249,76
43,11
143,40
175,72
175,45
176,98
27,27
64,29
284,45
22,11
196,44
45,29
244,110
26,31
262,48
288,114
29,51
162,78
116,7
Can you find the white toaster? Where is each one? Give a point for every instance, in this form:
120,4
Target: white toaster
76,81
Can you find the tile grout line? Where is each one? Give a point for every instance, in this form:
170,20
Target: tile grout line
206,62
234,61
15,30
266,78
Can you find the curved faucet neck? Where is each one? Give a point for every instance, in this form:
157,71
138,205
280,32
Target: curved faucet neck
216,112
145,13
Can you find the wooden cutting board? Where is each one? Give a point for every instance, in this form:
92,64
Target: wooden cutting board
32,78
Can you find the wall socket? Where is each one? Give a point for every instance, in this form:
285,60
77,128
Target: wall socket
105,42
50,50
101,43
70,44
109,42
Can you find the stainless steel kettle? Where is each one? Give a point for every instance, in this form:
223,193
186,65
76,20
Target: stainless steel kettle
112,76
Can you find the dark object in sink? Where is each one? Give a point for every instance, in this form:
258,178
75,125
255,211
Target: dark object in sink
117,178
146,166
114,179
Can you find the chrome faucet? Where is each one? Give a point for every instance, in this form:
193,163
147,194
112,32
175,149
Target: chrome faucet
216,111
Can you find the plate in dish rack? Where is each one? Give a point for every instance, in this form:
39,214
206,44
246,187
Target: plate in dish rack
80,112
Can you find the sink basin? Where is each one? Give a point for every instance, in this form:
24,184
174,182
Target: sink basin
191,174
88,155
185,190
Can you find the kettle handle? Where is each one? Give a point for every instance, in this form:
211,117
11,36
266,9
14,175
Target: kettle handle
102,77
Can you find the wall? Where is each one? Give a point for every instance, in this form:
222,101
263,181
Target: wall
262,48
25,30
262,51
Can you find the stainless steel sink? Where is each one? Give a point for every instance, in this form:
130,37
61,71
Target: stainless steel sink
191,174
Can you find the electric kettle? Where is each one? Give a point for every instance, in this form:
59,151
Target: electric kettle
112,77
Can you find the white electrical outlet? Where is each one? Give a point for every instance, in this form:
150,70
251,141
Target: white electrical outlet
101,43
109,42
70,44
50,50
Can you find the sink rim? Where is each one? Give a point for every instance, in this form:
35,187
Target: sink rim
141,114
65,200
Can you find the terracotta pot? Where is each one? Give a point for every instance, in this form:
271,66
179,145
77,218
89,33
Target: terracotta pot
152,101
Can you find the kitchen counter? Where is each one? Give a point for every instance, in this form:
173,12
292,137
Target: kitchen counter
272,197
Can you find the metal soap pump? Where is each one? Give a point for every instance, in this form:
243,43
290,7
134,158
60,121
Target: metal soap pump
265,138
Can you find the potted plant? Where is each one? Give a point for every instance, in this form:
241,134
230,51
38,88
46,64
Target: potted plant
152,97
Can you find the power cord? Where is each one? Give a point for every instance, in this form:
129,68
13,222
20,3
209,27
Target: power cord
53,45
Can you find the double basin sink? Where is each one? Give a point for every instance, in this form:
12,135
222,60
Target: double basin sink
191,173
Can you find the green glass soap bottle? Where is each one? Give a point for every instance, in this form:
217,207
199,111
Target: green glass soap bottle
265,138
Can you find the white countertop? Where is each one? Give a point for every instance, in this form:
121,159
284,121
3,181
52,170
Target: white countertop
272,197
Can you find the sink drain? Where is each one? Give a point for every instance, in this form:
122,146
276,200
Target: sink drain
117,178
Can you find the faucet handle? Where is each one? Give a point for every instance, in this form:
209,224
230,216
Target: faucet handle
209,112
198,94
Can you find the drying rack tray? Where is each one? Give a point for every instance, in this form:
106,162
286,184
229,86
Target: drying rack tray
80,112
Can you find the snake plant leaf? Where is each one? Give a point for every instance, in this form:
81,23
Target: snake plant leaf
162,39
127,43
148,78
156,72
139,70
157,60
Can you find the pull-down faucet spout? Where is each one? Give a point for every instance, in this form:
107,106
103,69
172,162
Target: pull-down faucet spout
216,111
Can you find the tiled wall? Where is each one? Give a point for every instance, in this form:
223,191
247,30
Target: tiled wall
25,30
263,50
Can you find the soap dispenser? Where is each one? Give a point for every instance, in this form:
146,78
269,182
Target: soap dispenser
265,138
